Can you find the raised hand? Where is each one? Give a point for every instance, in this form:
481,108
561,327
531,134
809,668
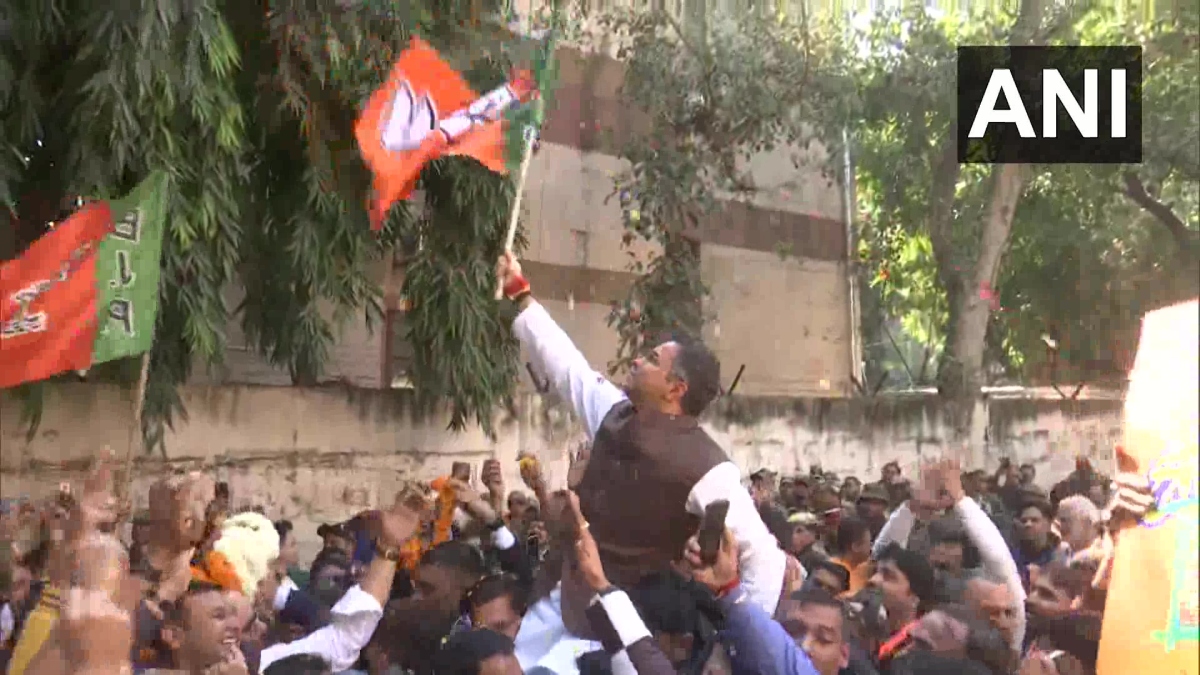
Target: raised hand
472,501
587,555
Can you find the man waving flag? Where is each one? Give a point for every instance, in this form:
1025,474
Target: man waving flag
426,110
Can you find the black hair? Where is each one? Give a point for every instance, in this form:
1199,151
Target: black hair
777,523
329,558
497,586
457,555
299,664
699,368
916,569
839,571
1038,503
283,528
849,531
819,597
173,611
462,653
221,490
947,530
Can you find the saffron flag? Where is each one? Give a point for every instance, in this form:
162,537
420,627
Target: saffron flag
87,291
426,110
1151,616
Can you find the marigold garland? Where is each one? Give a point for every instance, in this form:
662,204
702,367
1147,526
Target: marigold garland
215,568
417,545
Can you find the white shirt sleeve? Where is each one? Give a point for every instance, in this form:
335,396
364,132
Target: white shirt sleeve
898,528
761,561
590,393
352,622
996,558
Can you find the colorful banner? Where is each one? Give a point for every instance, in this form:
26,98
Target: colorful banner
1151,616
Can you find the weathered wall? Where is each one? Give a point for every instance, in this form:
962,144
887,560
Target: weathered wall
315,455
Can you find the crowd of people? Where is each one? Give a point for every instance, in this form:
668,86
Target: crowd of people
944,571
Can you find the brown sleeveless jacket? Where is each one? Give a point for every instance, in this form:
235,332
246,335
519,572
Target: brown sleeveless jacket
634,494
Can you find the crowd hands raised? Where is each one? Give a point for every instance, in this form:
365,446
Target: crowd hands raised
953,572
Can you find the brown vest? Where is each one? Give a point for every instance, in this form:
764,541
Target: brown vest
634,494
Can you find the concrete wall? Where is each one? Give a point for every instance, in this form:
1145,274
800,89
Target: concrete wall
315,455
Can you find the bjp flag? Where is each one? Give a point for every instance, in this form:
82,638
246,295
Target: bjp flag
1151,617
426,110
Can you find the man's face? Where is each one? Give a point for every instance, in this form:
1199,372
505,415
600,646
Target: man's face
861,549
818,630
518,504
1032,526
897,594
851,489
830,582
1045,599
289,552
210,628
650,378
1027,474
504,664
440,587
947,556
800,494
497,615
1078,532
871,509
996,603
890,474
942,634
802,538
762,491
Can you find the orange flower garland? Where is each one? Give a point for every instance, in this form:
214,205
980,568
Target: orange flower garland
214,568
417,545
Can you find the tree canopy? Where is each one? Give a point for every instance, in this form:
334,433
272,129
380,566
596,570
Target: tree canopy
249,108
973,273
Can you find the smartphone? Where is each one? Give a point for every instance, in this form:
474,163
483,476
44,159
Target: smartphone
461,471
712,530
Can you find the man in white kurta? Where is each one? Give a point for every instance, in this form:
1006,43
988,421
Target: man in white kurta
659,385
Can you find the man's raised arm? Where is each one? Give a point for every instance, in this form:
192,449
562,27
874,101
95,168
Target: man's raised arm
590,393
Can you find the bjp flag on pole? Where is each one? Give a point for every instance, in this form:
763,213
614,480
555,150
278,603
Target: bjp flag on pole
1151,615
426,110
86,292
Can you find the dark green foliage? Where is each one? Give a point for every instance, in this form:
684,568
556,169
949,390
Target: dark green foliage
250,109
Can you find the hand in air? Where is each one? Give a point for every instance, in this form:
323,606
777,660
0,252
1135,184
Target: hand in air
587,554
508,268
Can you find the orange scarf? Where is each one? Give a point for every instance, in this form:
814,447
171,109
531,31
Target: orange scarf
416,546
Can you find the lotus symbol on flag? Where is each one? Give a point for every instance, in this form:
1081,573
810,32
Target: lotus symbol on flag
410,121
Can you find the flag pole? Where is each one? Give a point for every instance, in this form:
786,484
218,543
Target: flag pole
136,437
515,215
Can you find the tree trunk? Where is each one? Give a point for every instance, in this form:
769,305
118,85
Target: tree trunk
963,374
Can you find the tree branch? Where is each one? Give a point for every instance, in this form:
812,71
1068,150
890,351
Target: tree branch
1135,189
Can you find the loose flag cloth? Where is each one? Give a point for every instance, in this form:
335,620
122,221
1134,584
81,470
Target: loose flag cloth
1150,617
426,110
86,292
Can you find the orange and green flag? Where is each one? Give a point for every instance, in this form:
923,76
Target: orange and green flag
426,110
87,291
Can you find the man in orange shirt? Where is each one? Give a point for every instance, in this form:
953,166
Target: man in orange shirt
853,552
